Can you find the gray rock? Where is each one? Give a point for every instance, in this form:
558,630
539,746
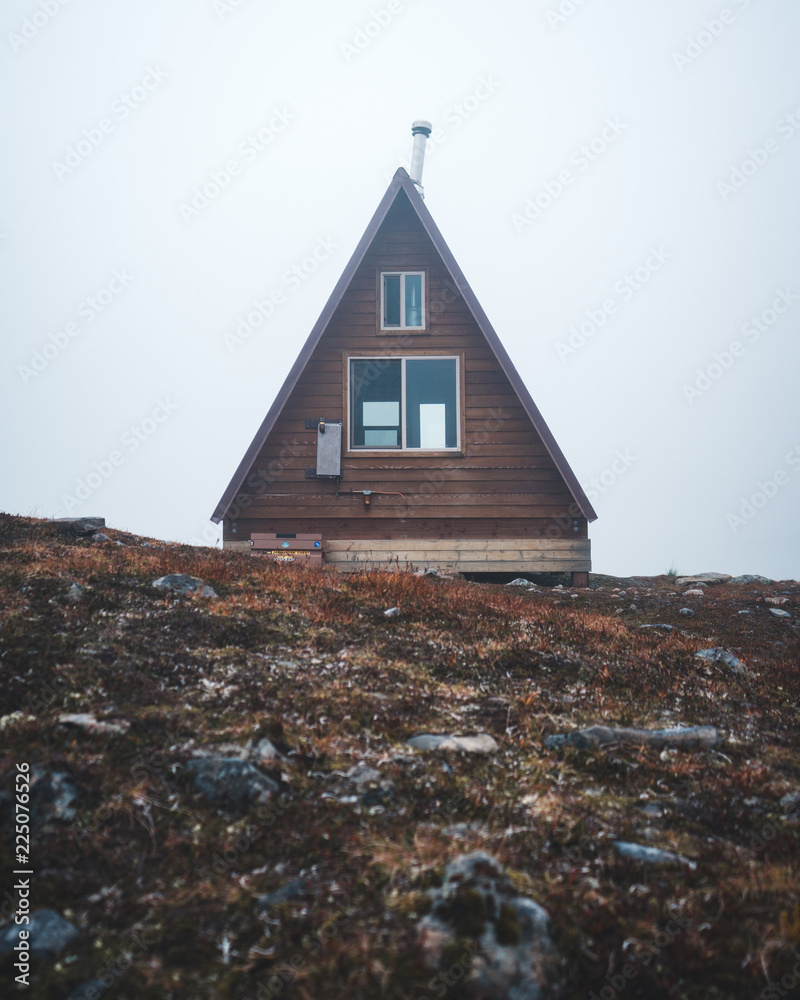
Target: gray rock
362,777
49,935
99,537
75,593
230,783
633,607
661,626
85,720
93,989
52,796
506,951
719,655
790,803
182,583
649,855
470,744
686,612
81,526
750,578
693,592
708,578
522,582
392,613
779,613
295,888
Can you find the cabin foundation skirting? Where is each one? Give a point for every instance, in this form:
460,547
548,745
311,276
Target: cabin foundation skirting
474,555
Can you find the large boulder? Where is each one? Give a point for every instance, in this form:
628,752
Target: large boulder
707,578
182,583
81,526
230,783
499,939
49,934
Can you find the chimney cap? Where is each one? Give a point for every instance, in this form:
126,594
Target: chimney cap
421,127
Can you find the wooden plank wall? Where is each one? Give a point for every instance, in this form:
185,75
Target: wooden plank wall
505,485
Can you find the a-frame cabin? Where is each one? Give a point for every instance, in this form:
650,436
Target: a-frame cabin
403,435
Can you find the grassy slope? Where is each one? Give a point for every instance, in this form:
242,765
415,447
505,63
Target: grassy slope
307,659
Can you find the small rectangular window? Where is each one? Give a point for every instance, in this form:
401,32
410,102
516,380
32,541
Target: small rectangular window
404,403
403,300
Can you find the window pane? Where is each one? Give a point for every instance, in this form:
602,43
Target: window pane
375,403
413,299
432,415
391,300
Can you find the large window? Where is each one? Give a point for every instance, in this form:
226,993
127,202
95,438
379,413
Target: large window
402,300
408,403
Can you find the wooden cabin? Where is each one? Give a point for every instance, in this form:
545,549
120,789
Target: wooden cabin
403,435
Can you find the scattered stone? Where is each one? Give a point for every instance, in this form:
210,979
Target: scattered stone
230,783
661,626
15,719
75,592
262,751
392,612
182,583
80,526
750,578
362,776
790,803
649,855
85,720
49,935
99,538
485,935
633,607
777,600
745,612
694,592
52,796
708,578
469,744
605,737
719,655
295,888
686,612
779,613
522,582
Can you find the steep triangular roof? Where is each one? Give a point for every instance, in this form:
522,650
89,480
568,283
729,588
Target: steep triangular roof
401,182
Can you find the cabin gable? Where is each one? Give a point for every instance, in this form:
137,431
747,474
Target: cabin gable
466,468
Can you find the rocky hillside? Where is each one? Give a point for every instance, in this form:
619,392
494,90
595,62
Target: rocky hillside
288,782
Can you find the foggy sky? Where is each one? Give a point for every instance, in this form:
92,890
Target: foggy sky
617,180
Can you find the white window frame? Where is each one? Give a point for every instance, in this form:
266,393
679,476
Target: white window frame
361,449
402,276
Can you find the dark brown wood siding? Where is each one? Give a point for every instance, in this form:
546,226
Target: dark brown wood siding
504,484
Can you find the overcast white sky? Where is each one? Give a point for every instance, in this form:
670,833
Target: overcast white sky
655,148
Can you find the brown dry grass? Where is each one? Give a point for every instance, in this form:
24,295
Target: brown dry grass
308,659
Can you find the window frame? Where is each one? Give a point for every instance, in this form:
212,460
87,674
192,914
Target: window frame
384,331
393,355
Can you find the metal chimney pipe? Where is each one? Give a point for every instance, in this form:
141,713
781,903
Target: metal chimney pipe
420,130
